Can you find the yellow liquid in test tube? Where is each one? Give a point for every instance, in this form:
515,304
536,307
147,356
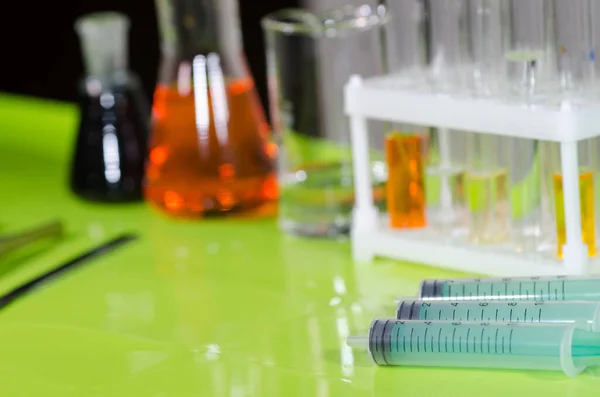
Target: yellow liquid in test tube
588,227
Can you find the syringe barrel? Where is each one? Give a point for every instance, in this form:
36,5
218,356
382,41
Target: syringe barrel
477,345
550,288
565,312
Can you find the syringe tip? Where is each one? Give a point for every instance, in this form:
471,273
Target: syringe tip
358,342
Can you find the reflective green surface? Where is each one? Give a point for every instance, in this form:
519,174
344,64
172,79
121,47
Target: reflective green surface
212,308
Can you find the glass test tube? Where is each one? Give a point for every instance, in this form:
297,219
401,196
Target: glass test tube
567,312
405,185
406,42
487,45
486,188
449,54
527,46
541,346
525,194
548,288
444,182
574,50
553,192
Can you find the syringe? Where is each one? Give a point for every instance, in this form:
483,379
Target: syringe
538,346
551,288
502,311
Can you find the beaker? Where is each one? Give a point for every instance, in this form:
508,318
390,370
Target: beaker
529,47
554,198
310,58
108,163
210,150
449,56
486,188
574,47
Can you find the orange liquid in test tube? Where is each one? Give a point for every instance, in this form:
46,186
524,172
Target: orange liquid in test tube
405,184
588,227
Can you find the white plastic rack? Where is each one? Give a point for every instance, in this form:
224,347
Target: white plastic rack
382,98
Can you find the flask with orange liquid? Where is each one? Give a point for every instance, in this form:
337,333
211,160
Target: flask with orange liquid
209,151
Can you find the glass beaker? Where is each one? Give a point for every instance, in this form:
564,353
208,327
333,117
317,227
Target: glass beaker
210,150
110,152
310,59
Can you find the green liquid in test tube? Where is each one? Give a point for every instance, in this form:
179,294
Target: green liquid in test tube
550,288
539,346
503,311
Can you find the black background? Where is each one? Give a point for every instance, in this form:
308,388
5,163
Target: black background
40,55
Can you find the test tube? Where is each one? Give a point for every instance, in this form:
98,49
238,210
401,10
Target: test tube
449,49
406,40
444,182
525,194
548,288
405,186
568,312
487,26
537,346
527,45
553,193
574,50
486,188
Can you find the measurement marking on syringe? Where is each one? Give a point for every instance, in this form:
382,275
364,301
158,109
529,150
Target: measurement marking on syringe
489,345
468,331
503,345
534,285
481,341
540,315
425,340
397,338
418,344
468,313
425,314
510,318
525,316
555,294
548,290
446,344
510,341
411,339
404,343
520,291
453,314
440,341
496,340
496,314
481,314
453,339
563,290
440,315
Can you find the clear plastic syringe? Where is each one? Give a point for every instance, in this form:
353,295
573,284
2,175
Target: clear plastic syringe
502,311
537,346
550,288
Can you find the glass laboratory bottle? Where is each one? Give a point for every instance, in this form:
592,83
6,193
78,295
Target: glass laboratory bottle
209,151
111,146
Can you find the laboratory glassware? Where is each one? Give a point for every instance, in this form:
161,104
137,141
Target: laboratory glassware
449,56
405,186
574,47
529,47
547,288
444,180
525,190
210,150
406,42
310,57
15,241
502,311
486,188
527,346
487,23
554,195
111,146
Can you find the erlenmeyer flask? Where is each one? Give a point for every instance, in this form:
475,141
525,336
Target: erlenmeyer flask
108,163
210,152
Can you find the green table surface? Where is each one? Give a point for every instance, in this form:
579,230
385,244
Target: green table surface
207,308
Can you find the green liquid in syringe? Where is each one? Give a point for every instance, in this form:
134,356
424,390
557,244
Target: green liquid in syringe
502,311
552,288
539,346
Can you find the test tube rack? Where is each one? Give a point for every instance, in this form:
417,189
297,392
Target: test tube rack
382,98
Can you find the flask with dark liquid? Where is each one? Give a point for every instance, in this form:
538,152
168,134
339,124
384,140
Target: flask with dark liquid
111,147
210,152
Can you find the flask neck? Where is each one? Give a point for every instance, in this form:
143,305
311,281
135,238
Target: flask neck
199,27
103,38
